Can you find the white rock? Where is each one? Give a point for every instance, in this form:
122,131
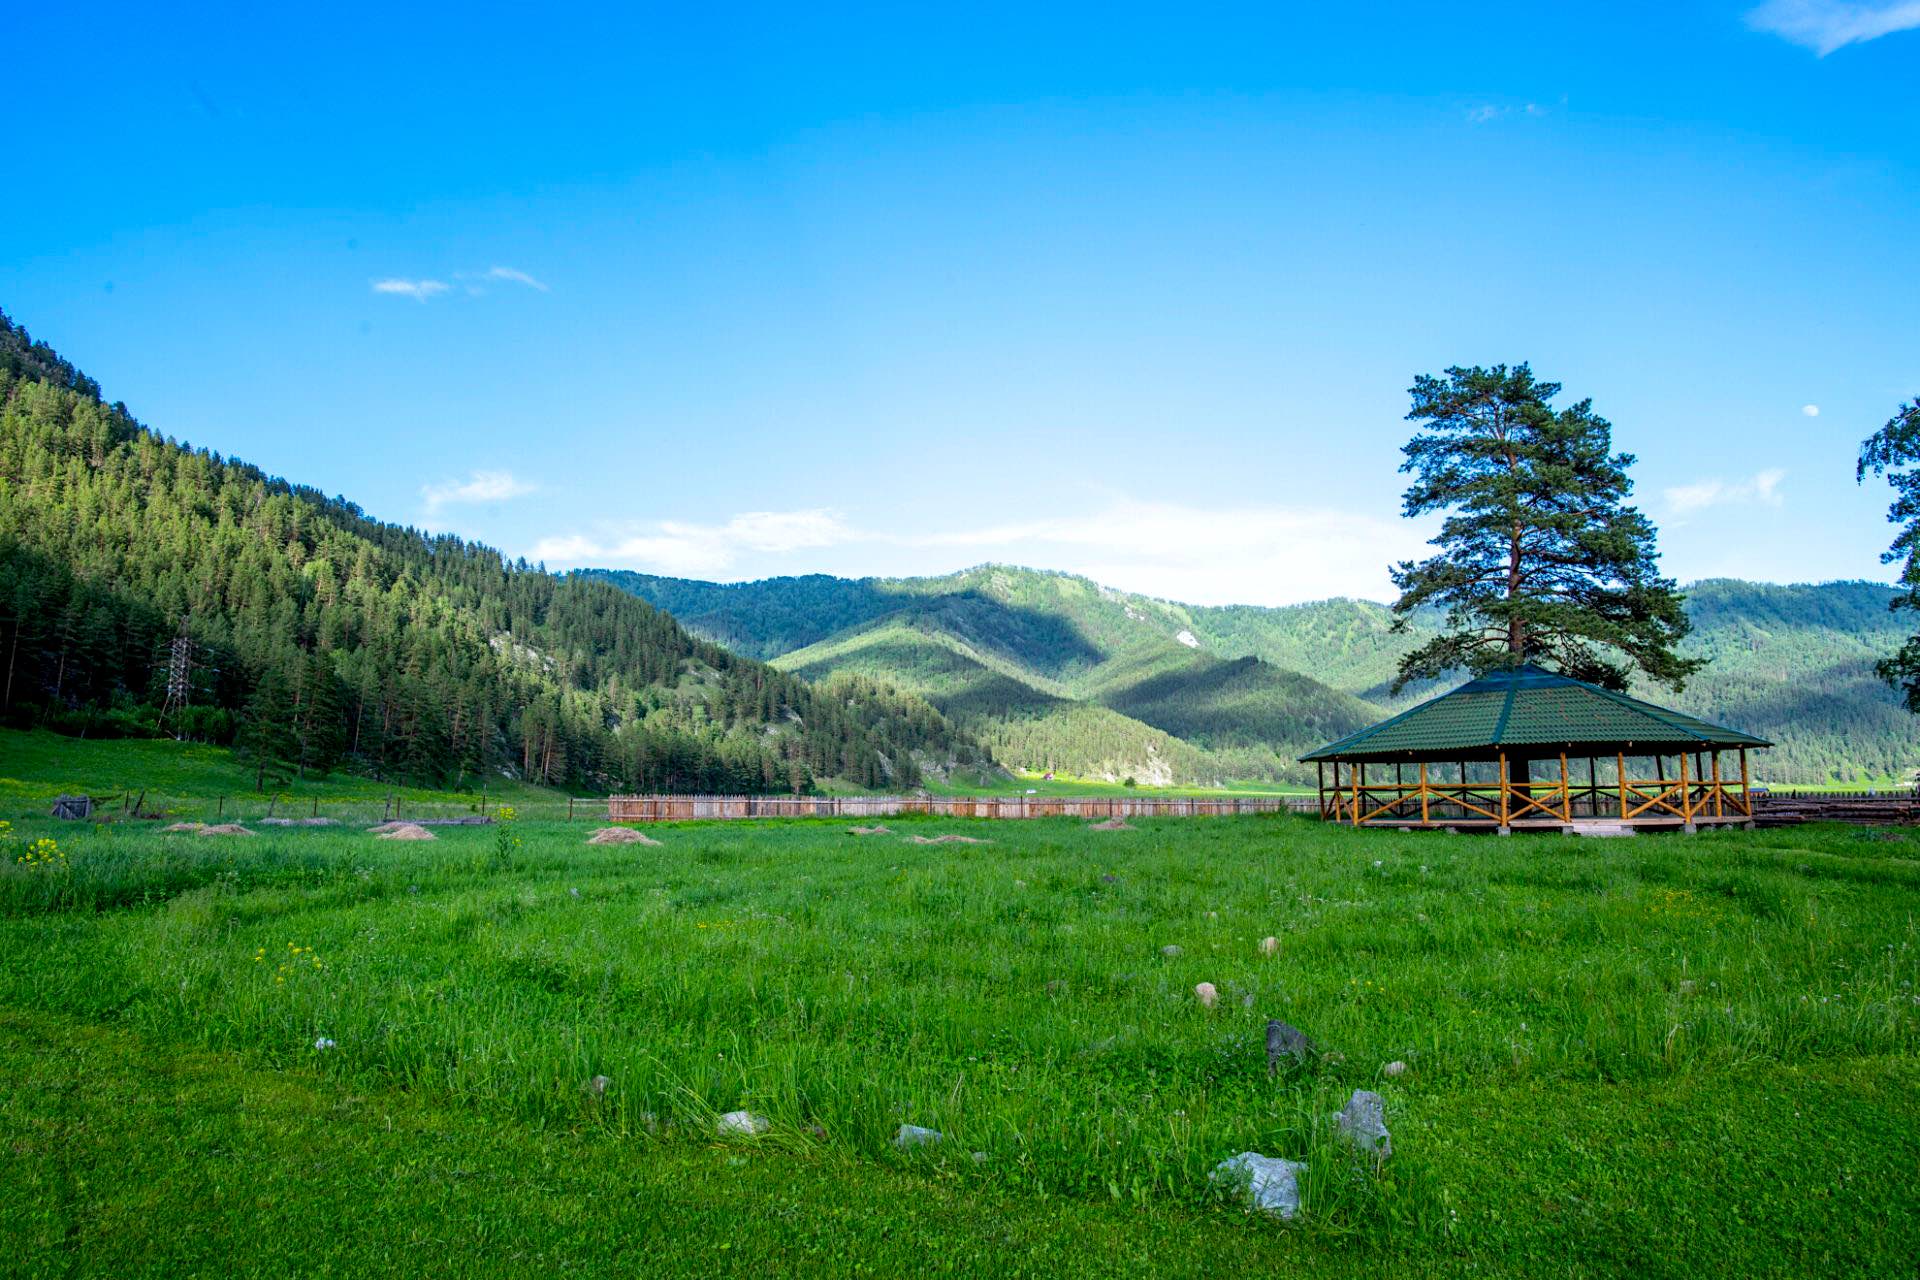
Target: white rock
1269,946
1170,951
912,1135
743,1122
1204,992
1363,1122
1395,1068
1272,1185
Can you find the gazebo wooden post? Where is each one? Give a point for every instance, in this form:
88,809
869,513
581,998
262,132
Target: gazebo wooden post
1719,810
1320,779
1746,793
1424,810
1686,792
1501,783
1358,769
1399,787
1566,796
1620,764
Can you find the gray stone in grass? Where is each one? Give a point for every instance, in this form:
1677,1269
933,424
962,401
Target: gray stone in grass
744,1123
1284,1040
1271,1185
1171,951
1363,1122
912,1135
598,1086
1394,1068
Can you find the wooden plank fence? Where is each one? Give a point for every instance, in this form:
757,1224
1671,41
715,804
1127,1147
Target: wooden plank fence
660,808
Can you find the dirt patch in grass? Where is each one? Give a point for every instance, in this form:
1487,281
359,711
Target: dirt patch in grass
224,829
871,831
1113,824
621,835
406,831
946,840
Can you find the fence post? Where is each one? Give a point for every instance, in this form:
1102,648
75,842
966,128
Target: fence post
569,808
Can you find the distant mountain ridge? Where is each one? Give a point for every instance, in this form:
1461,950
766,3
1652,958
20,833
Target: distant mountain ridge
1054,669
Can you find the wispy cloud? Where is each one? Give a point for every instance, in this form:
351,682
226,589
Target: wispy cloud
1488,112
473,283
1763,488
1826,25
1250,555
1811,410
418,290
516,276
678,547
478,487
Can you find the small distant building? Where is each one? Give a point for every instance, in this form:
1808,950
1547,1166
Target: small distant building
1525,747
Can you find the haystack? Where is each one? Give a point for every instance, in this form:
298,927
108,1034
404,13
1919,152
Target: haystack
946,840
1113,824
224,829
186,827
407,831
621,835
882,830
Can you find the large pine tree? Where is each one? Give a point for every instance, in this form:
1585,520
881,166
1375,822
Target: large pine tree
1540,557
1894,452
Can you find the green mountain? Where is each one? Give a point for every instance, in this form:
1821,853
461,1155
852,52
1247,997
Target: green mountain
1028,660
149,587
1048,670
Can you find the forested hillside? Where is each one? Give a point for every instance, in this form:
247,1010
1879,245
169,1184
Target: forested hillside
315,636
1792,663
1049,670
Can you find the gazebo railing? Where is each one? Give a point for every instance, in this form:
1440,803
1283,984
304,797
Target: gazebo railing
1696,791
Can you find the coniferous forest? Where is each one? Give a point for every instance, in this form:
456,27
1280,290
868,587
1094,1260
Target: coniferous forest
149,587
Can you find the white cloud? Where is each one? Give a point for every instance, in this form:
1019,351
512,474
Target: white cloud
472,283
681,548
1826,25
1198,555
1485,113
1811,410
418,290
1763,488
480,486
518,277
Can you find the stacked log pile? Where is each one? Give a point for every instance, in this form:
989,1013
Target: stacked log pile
1894,808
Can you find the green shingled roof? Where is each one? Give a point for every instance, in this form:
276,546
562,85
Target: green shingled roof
1525,706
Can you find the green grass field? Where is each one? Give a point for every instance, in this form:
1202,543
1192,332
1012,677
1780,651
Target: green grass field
190,779
1657,1056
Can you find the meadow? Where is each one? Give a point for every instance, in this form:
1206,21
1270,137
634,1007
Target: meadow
316,1051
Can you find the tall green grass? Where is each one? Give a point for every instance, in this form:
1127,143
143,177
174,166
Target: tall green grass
1013,995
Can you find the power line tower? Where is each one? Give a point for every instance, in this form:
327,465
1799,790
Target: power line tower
180,657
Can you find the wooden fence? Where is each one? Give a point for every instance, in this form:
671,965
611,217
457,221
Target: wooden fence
700,808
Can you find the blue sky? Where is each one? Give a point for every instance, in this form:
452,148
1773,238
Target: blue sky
1135,292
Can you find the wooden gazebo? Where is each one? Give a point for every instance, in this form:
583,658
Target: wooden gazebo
1524,747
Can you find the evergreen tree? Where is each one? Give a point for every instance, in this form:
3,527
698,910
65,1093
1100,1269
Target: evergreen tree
1894,452
1540,559
267,738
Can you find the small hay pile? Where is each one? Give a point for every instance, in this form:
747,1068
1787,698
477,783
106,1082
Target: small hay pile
881,830
1113,824
188,828
621,835
946,840
224,829
406,831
